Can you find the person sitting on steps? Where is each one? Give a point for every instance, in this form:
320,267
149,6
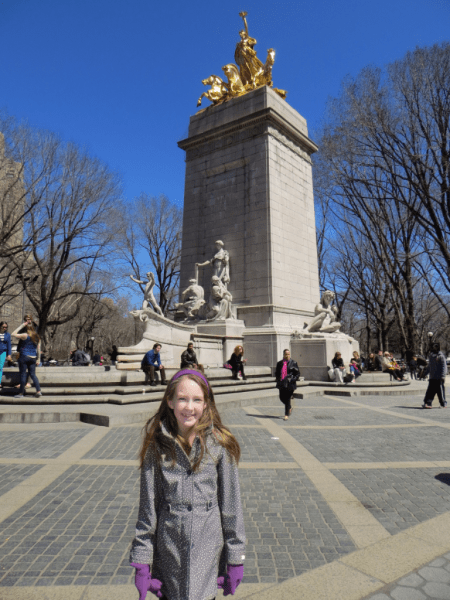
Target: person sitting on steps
236,363
151,363
189,359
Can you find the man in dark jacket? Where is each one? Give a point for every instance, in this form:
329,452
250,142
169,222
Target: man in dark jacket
189,359
437,366
287,374
151,363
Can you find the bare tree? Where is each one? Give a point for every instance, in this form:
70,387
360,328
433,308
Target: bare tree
67,235
384,138
395,127
151,241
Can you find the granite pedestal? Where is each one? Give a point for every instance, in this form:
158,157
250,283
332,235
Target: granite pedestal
249,184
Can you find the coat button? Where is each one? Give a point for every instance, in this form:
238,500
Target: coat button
188,472
189,507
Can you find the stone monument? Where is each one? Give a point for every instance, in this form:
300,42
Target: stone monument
249,183
249,189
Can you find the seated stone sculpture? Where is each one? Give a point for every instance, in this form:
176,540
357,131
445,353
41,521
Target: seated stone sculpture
193,299
324,320
218,306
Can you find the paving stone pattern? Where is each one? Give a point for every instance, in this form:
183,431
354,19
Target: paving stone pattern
338,416
77,531
290,528
399,498
12,475
121,443
257,445
437,413
376,445
38,444
430,582
238,416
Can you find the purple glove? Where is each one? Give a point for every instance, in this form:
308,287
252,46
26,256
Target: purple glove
144,582
220,582
235,573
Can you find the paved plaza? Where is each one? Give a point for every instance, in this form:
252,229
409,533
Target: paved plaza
348,500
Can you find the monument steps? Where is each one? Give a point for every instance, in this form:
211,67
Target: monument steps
97,385
150,394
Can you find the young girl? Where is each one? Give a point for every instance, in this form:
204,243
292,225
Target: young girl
190,525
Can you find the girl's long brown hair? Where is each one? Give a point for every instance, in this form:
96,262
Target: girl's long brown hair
237,350
157,441
33,335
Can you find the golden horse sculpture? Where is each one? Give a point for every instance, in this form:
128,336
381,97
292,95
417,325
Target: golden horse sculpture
248,75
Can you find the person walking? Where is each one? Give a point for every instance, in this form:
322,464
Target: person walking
236,362
151,363
190,536
286,375
413,367
29,355
5,347
437,365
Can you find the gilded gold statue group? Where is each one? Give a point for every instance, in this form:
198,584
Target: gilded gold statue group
249,74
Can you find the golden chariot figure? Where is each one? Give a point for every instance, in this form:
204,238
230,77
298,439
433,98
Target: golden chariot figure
249,74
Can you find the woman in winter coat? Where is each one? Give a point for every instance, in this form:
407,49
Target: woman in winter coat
29,356
5,347
190,536
237,361
287,374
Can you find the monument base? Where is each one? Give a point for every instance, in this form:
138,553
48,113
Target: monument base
173,338
228,333
314,354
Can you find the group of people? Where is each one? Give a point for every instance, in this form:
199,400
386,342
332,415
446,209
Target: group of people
29,349
287,371
340,373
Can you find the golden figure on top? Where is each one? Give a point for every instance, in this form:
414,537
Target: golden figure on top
249,74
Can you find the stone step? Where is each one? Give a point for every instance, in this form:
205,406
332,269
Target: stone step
109,376
129,389
151,394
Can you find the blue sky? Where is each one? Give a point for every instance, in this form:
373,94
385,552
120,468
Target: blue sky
123,77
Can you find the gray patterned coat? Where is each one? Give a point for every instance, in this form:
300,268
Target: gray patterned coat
190,525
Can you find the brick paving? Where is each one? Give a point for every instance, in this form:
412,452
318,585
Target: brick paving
290,528
376,445
12,475
77,531
121,443
399,498
38,444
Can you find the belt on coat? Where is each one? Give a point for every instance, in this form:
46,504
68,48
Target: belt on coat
189,506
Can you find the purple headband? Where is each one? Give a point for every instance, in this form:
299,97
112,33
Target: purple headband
190,372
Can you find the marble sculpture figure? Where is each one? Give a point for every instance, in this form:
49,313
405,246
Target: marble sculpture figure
324,320
149,298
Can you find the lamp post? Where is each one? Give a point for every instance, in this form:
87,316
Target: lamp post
430,337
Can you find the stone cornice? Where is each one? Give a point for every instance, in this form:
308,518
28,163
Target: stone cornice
266,116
